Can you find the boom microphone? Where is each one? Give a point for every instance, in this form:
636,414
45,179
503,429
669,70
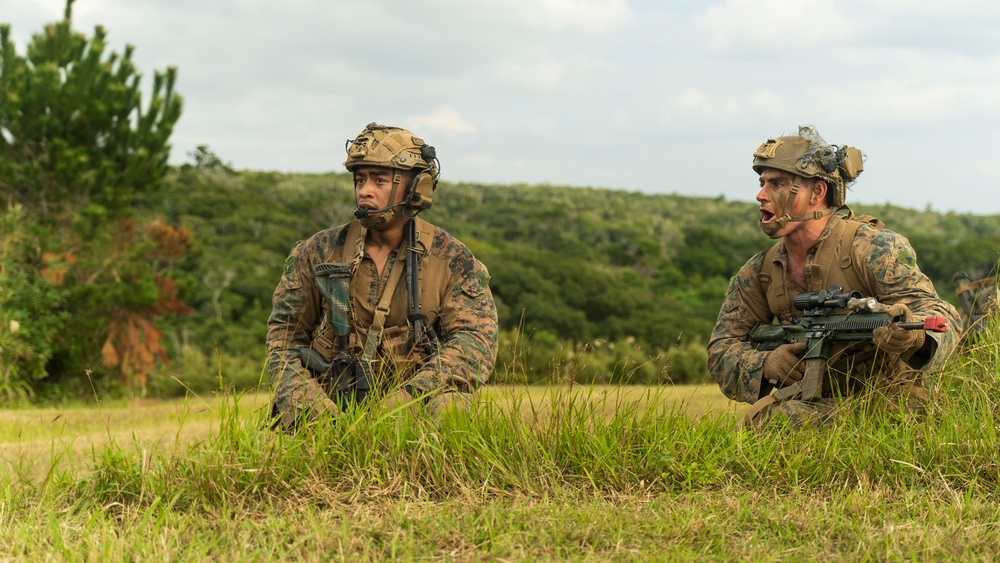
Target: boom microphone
362,213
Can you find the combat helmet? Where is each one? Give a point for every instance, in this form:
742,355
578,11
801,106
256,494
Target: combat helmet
398,149
392,147
809,156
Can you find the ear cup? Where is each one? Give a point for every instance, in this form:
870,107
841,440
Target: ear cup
421,191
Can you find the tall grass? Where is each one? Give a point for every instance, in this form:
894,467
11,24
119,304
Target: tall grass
577,472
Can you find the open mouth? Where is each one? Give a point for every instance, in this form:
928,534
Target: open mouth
766,216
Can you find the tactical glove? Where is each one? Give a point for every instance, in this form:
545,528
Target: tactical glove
291,417
784,365
324,407
892,339
401,400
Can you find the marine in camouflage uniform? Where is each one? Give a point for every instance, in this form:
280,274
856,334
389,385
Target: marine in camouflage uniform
803,183
433,358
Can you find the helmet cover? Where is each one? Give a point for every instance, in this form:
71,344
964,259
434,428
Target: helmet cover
809,156
391,147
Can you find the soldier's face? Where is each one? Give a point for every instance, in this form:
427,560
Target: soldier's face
775,190
774,195
373,187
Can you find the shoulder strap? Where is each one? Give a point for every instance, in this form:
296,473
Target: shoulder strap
382,309
767,269
850,266
354,242
356,233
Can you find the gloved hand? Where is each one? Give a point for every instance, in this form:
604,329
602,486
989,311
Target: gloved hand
325,407
401,400
293,416
894,340
784,364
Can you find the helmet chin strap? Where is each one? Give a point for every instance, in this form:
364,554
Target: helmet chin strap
774,226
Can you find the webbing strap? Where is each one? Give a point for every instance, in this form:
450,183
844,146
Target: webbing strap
779,396
849,230
382,309
358,233
975,286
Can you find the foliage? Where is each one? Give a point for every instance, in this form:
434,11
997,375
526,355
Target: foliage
76,140
30,313
77,146
194,370
571,267
598,285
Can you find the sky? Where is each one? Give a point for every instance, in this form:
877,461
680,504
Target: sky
653,96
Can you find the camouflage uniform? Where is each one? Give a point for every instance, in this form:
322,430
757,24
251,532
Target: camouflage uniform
454,294
978,299
890,274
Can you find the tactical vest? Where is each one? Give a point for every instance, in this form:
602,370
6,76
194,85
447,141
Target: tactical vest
396,339
833,263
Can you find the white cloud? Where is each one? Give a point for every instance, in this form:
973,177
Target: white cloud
896,102
766,27
445,120
694,107
480,159
539,75
584,15
570,91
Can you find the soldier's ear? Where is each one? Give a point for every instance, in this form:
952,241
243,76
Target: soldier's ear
818,189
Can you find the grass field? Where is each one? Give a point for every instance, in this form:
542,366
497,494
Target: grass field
579,473
32,438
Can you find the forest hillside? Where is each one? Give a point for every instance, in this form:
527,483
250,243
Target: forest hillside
608,284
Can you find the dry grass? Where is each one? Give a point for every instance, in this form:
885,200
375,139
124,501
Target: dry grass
695,400
31,438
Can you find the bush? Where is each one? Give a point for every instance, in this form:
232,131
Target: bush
29,312
195,371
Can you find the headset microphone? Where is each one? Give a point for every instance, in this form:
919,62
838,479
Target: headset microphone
362,213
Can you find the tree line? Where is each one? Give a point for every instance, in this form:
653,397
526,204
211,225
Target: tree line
600,284
115,266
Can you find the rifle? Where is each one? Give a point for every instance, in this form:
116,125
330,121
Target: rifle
820,328
345,374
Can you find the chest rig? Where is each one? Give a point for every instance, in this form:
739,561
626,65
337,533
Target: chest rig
832,263
373,351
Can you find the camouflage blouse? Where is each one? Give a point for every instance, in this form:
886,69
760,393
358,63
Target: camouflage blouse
454,294
891,275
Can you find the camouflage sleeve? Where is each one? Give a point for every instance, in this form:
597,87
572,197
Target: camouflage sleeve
294,313
732,360
893,262
467,353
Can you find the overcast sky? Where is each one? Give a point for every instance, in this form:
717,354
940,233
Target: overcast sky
644,95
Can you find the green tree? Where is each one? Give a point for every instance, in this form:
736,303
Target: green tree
26,316
77,147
